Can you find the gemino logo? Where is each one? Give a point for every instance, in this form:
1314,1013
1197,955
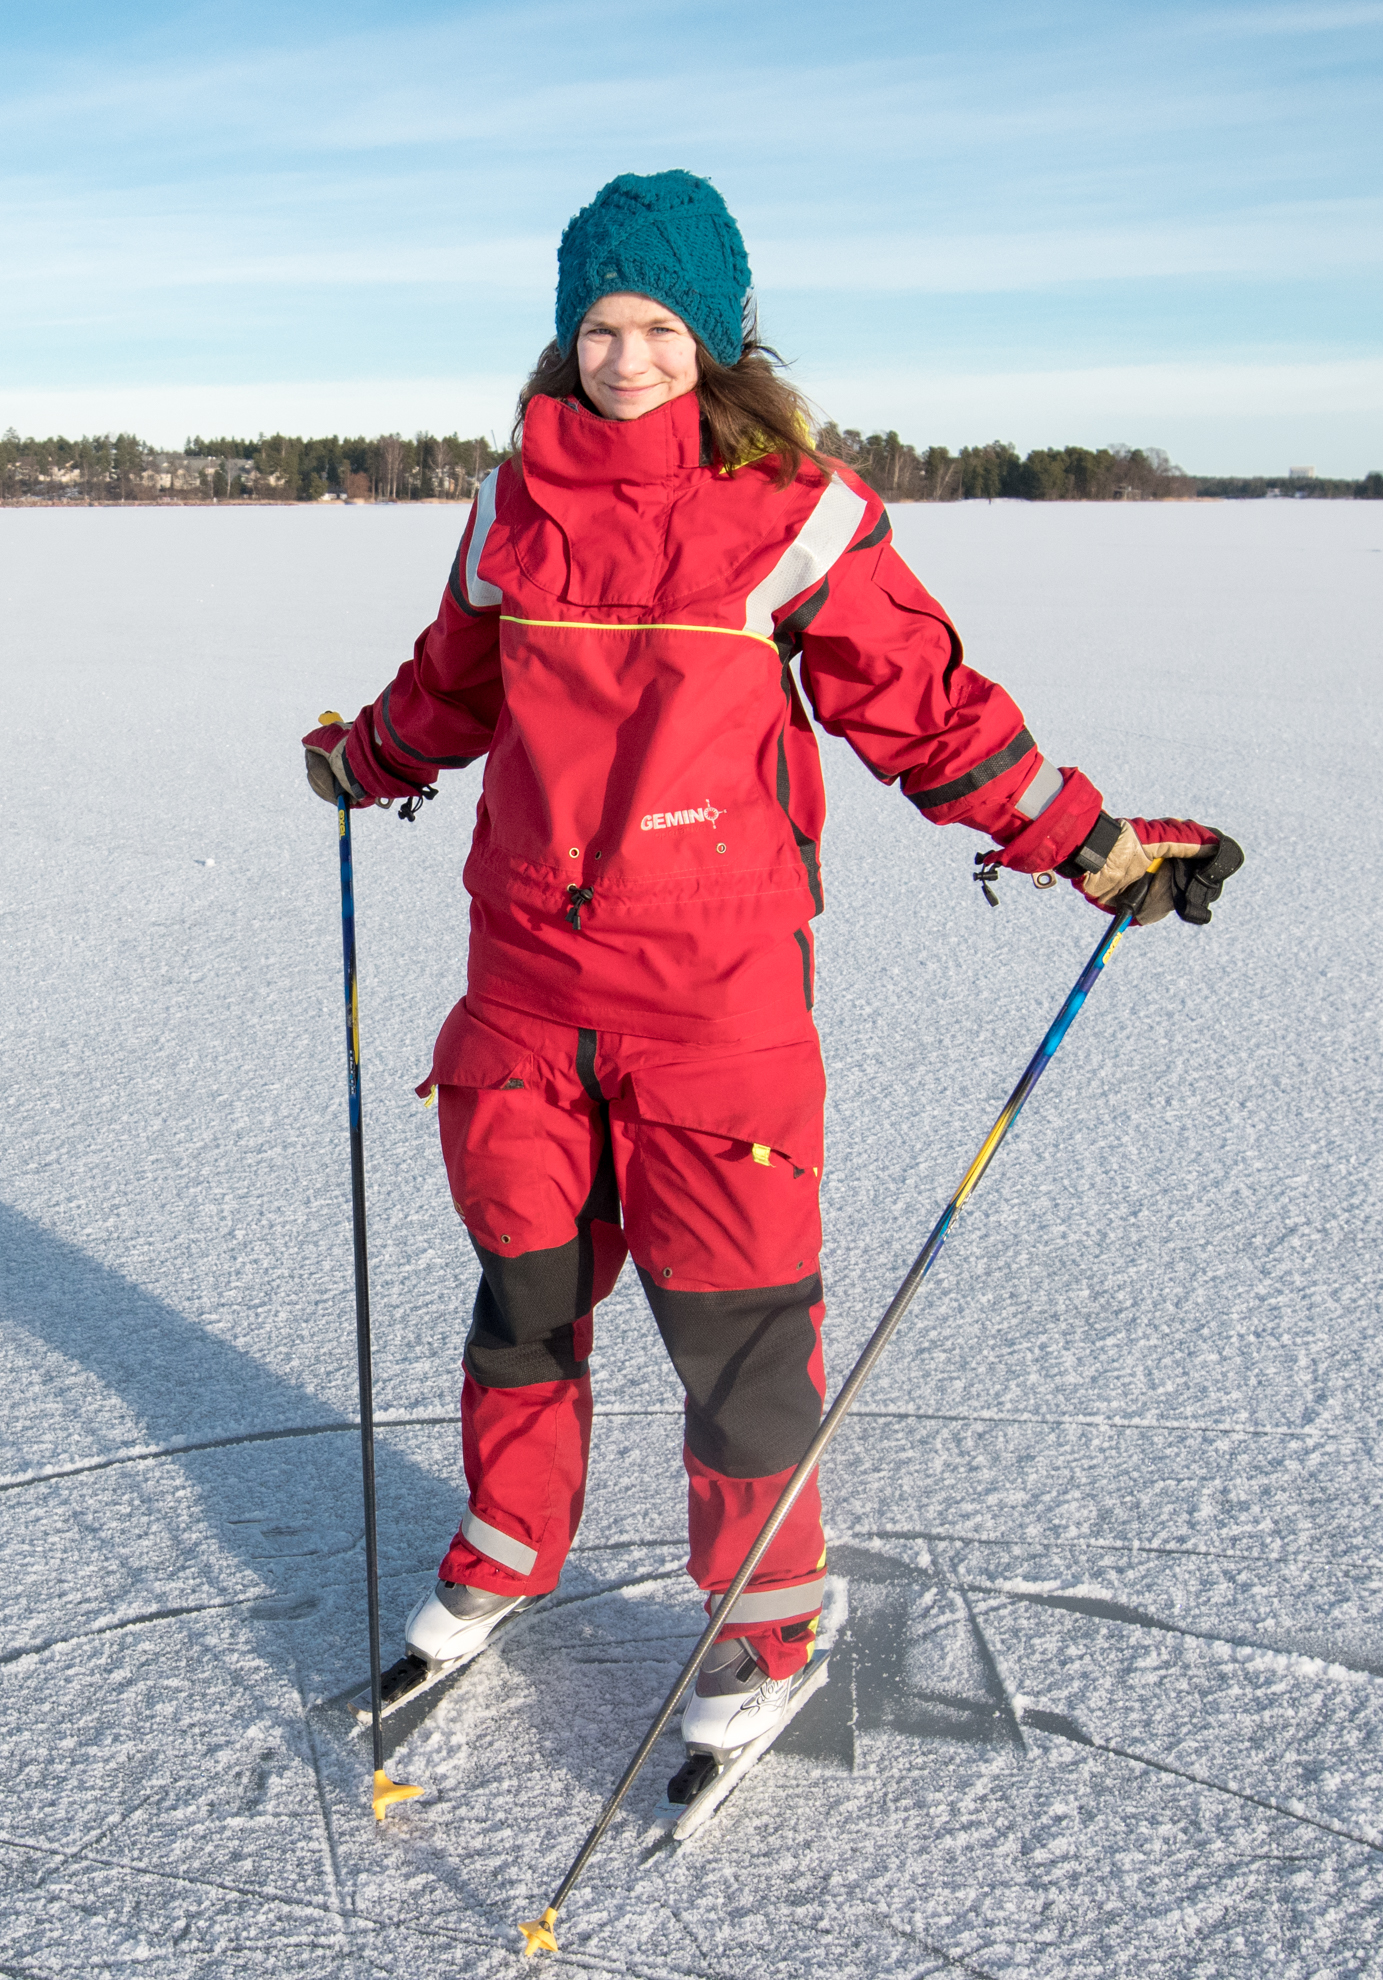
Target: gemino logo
662,821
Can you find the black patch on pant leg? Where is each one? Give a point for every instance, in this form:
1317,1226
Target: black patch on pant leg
742,1358
524,1309
521,1329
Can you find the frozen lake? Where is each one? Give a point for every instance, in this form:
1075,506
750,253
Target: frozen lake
1107,1697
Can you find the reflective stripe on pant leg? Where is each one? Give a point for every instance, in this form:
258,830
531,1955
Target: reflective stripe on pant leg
725,1517
497,1546
771,1605
526,1451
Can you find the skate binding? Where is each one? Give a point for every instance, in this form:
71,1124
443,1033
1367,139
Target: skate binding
692,1778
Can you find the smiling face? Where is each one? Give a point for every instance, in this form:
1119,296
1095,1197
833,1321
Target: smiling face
634,355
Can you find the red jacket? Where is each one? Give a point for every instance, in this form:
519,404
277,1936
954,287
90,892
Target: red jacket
616,639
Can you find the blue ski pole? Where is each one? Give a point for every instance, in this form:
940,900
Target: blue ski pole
386,1792
538,1932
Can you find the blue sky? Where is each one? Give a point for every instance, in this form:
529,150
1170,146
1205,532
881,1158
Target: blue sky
1161,224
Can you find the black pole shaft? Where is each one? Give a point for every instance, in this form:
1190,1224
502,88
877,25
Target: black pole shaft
851,1387
362,1269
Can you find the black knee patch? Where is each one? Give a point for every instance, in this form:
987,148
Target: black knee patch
521,1329
742,1358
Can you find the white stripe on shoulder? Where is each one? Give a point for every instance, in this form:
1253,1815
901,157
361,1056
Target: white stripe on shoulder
823,537
478,591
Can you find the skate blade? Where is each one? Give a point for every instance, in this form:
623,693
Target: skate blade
411,1676
685,1818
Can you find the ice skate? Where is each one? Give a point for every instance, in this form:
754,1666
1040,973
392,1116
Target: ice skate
447,1630
454,1623
734,1716
735,1701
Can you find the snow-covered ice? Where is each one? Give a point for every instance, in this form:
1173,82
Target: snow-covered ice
1108,1691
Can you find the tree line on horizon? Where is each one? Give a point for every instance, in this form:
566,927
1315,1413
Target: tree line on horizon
279,467
287,468
996,471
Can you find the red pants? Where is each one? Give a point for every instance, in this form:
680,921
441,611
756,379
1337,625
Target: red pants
568,1150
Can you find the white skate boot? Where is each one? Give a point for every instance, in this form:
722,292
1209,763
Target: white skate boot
446,1630
731,1720
453,1623
735,1701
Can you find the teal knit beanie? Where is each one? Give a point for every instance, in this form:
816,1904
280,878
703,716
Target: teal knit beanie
669,236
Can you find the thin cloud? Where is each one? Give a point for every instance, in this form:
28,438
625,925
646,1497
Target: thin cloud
346,200
1134,391
172,249
361,95
476,402
1297,241
1286,20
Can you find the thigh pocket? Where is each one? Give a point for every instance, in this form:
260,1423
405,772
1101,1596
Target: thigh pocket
469,1053
721,1161
519,1165
769,1102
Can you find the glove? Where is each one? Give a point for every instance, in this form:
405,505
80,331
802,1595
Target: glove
1196,862
328,767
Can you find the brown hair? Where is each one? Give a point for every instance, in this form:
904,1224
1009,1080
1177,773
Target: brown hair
748,409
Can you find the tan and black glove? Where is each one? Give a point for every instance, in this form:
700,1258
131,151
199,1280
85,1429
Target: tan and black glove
328,767
1111,868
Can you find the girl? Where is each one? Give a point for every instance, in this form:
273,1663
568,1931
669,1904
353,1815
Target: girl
634,1069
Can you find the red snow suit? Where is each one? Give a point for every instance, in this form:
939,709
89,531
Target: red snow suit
616,638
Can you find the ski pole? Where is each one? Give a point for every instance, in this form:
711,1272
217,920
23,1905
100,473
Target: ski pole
539,1933
386,1792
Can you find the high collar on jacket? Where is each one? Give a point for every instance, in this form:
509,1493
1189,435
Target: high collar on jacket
639,519
612,487
564,446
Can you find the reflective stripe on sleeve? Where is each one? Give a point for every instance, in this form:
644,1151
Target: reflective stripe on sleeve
975,780
823,537
406,749
775,1604
1046,784
497,1546
477,590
